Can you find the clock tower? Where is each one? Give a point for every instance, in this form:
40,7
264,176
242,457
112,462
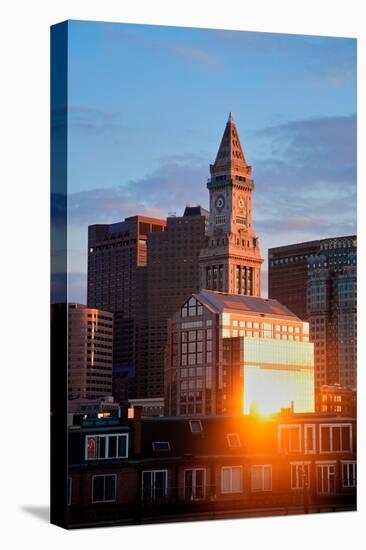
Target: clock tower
231,261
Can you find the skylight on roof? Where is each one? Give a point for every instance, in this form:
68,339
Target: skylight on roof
161,446
233,440
195,426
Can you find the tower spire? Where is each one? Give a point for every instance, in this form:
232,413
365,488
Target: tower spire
230,160
230,260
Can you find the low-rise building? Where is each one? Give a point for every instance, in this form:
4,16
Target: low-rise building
158,469
336,399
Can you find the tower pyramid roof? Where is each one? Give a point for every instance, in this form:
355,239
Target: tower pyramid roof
230,159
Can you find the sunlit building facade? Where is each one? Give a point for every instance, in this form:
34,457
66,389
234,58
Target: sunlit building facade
90,352
230,259
230,354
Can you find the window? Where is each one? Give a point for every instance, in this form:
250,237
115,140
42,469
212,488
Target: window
231,479
326,479
69,490
194,484
233,440
335,438
310,440
104,488
192,308
195,426
154,486
221,219
300,475
99,447
161,446
349,474
289,438
261,478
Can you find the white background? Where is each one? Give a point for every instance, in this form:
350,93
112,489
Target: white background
24,203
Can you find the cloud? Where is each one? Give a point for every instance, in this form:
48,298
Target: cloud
307,188
179,180
86,120
137,38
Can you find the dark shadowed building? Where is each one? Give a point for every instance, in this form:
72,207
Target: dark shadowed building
117,282
172,274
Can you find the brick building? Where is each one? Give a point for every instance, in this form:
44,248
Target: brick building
336,399
164,469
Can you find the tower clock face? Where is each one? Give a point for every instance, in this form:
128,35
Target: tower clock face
241,203
219,202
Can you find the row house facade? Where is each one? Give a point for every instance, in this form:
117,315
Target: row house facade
142,470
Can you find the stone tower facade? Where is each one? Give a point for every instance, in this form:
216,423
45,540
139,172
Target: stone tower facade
231,261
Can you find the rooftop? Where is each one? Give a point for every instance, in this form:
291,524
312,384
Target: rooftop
234,303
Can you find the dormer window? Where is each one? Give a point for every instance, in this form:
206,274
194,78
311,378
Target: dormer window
102,447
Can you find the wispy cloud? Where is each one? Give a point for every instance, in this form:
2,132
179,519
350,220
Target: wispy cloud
91,121
305,186
179,180
137,38
308,188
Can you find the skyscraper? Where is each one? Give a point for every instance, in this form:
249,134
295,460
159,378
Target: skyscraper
317,280
117,282
172,274
230,260
288,275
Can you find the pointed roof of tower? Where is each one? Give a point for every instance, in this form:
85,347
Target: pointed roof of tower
230,159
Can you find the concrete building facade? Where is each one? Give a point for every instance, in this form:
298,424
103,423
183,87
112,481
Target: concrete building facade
90,352
231,354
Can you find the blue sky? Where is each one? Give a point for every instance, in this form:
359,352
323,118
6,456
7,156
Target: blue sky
147,108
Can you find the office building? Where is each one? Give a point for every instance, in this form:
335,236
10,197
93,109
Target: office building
288,275
231,354
172,275
318,281
90,352
117,282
